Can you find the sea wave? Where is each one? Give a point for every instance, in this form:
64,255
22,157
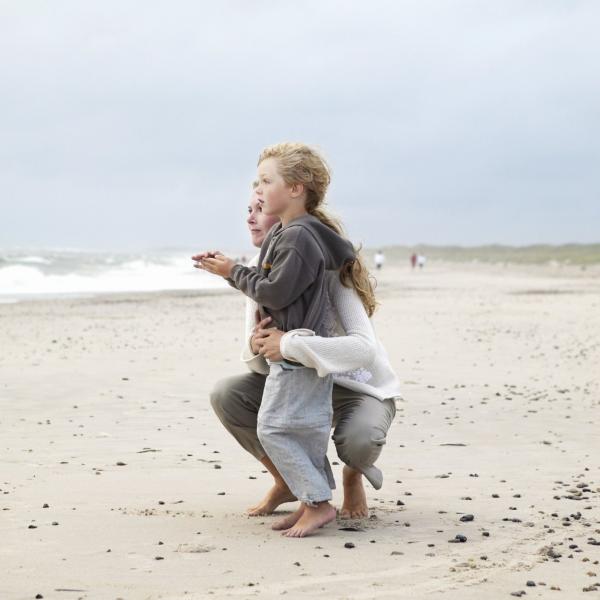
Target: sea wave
84,273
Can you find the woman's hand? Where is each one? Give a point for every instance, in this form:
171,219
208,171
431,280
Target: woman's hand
260,325
268,342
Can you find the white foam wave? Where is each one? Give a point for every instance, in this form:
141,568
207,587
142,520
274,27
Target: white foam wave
35,260
138,275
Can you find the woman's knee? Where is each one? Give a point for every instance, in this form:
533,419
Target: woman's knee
361,447
223,397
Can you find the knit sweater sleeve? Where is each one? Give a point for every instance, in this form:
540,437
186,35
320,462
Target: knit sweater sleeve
254,362
357,348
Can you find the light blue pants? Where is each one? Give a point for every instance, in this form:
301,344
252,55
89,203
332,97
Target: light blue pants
293,427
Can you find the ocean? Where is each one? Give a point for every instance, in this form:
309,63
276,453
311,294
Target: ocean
36,274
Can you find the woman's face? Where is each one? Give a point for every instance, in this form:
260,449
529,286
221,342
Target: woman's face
275,194
258,222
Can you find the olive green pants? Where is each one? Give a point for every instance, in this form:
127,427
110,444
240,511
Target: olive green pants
360,422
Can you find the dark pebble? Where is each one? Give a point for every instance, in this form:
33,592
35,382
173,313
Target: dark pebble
458,538
159,558
399,503
46,506
530,583
121,464
486,534
349,545
467,518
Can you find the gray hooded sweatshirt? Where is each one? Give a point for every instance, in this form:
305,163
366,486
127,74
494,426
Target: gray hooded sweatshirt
289,283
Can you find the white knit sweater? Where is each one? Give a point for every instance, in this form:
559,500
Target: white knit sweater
354,355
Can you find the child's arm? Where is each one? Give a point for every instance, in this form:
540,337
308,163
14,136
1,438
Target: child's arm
289,276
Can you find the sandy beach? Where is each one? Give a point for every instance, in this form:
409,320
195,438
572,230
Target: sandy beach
117,480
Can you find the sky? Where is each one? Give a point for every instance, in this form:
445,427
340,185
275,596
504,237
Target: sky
137,124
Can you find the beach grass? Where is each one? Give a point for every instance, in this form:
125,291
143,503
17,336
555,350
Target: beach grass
538,254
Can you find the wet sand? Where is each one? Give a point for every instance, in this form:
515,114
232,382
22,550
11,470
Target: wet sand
117,481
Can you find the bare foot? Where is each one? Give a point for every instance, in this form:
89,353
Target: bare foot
290,520
278,494
355,499
311,519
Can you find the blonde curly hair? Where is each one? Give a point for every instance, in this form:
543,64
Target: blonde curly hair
300,163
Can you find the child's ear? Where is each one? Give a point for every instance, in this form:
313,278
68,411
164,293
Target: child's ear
297,190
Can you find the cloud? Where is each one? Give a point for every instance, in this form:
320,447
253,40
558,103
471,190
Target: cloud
137,124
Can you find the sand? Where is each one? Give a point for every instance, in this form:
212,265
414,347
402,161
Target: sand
117,481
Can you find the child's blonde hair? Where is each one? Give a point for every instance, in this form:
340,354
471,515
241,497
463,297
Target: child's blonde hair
299,163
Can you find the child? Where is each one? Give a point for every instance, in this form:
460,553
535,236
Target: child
290,286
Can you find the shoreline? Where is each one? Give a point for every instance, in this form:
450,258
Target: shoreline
113,296
559,271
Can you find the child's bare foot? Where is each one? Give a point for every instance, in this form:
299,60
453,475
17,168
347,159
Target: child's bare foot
290,520
278,494
355,499
312,518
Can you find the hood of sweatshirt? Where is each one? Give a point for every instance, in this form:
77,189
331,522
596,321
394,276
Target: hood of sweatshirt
337,250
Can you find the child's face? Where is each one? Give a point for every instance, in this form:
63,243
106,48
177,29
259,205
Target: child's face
274,193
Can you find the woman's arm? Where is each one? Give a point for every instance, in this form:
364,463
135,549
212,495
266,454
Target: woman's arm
351,351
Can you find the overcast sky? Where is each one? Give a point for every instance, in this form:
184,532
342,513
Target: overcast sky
137,124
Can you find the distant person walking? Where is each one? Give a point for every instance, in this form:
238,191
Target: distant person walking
421,260
413,260
379,259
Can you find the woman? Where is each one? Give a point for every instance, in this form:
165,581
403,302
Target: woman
364,391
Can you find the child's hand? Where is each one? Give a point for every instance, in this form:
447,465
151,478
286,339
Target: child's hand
208,254
218,265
